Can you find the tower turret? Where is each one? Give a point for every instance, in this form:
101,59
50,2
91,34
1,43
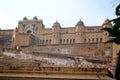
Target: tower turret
56,24
25,18
56,33
35,18
107,23
79,28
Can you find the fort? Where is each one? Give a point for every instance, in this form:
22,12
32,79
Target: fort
32,36
72,47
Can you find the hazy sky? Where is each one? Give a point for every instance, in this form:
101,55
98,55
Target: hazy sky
66,12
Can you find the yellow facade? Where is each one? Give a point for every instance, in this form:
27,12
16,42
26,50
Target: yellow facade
57,35
20,39
60,35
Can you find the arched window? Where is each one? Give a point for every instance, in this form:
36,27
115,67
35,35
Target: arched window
85,40
88,40
96,39
60,41
29,31
49,41
67,41
70,41
39,42
64,41
106,34
73,40
42,42
100,39
92,39
46,41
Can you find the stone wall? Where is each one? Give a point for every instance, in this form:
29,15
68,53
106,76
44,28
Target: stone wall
75,49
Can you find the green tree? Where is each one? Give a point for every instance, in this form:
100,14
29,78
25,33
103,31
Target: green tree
114,33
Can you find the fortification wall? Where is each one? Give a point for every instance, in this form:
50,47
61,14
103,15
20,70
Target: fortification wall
73,49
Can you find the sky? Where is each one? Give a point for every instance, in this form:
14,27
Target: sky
66,12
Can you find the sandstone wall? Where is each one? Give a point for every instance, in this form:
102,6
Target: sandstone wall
75,49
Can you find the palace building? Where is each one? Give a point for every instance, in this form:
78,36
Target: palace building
32,35
35,29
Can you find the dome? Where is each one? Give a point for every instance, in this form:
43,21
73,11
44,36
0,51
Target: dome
56,24
35,18
106,21
80,23
25,18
